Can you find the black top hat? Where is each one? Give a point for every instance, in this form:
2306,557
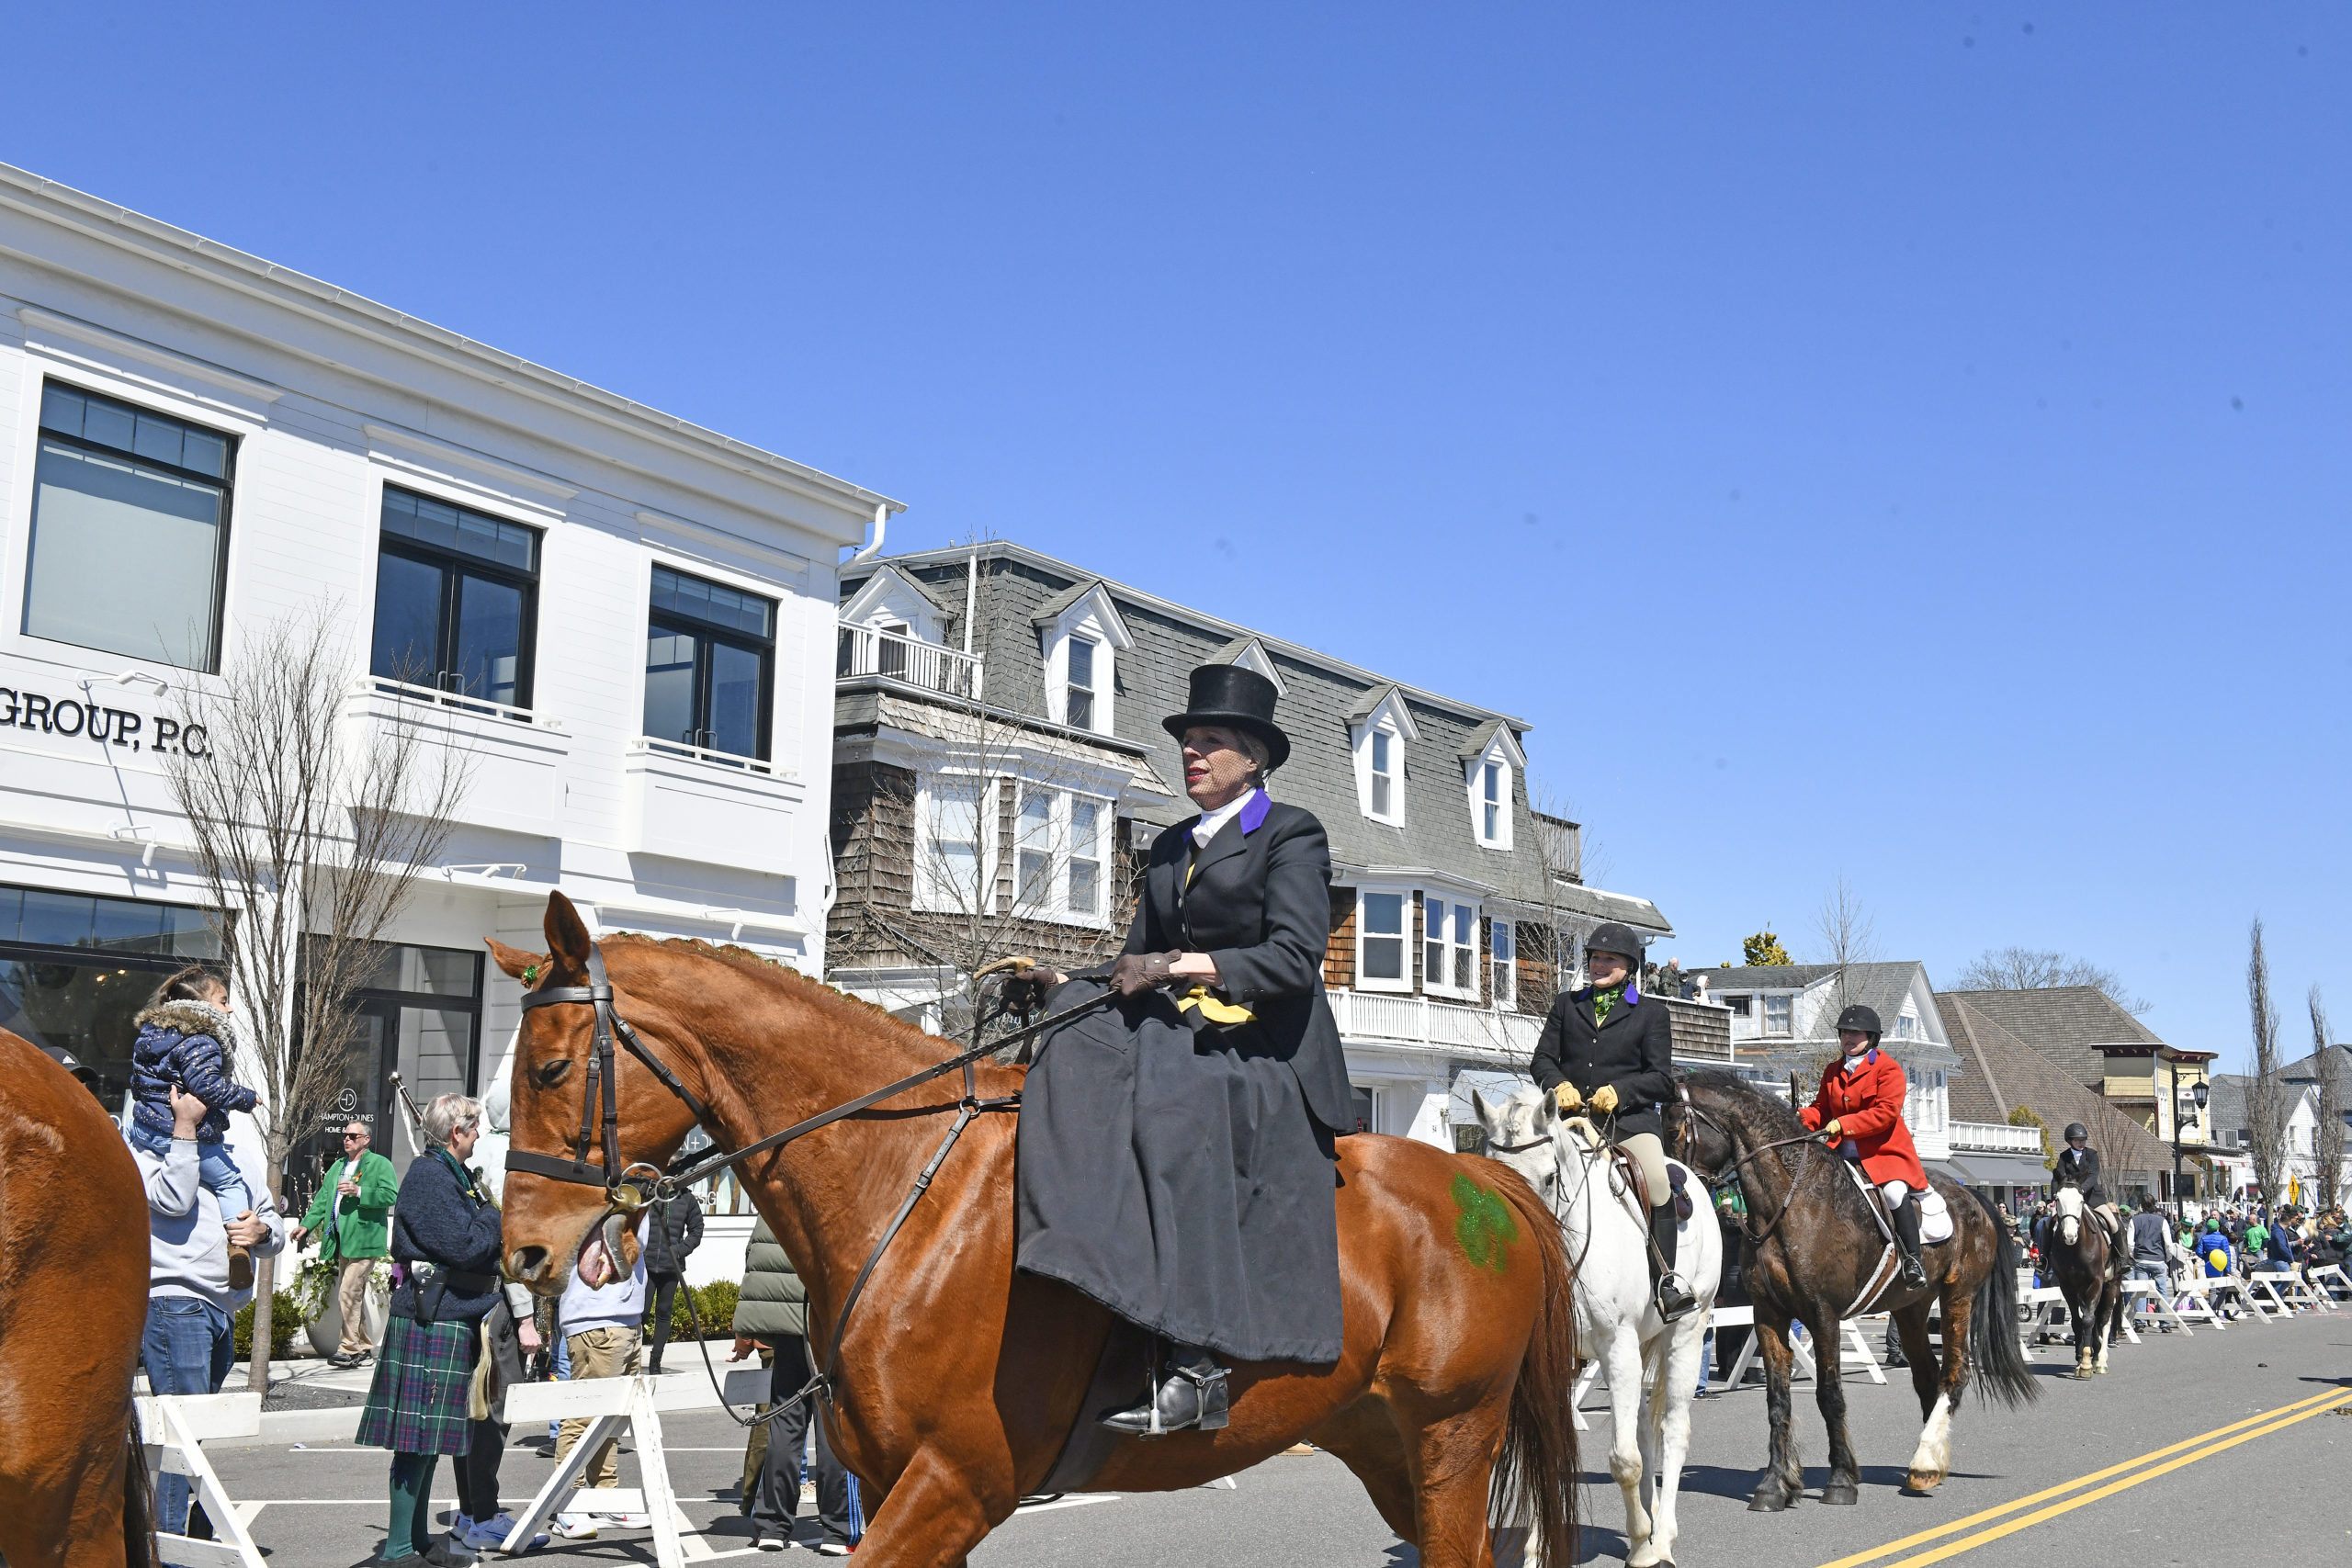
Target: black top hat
1236,698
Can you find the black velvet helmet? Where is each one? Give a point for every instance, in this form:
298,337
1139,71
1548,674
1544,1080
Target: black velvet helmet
1235,698
1614,938
2076,1130
1862,1018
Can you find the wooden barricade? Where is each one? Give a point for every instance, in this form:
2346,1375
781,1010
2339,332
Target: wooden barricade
173,1429
608,1404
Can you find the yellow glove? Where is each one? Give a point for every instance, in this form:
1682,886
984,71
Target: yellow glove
1567,1099
1604,1099
1832,1130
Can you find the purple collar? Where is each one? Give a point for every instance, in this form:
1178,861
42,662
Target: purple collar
1253,811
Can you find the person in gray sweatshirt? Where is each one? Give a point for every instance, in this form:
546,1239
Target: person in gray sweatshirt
602,1312
188,1345
2149,1259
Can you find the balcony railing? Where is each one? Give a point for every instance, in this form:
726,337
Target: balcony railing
459,700
1449,1026
1995,1137
862,651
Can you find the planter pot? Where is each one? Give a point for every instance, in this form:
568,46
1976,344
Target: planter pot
326,1330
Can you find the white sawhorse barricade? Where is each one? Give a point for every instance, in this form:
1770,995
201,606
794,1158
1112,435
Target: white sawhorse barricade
1745,1318
173,1429
2285,1292
608,1404
2330,1278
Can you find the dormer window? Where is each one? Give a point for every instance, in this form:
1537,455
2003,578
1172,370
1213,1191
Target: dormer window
1078,690
1081,634
1379,727
1486,774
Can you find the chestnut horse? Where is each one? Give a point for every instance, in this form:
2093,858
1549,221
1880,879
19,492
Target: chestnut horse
1812,1248
958,1379
2088,1265
74,1261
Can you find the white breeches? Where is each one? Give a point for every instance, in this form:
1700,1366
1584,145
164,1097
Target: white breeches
1895,1192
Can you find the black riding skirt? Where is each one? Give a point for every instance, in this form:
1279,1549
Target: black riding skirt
1174,1174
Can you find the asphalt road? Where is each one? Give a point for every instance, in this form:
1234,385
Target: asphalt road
2283,1488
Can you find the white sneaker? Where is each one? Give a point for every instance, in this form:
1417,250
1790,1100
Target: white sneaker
631,1521
575,1527
834,1549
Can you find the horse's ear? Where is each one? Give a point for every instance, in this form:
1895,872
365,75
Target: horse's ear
568,937
514,960
1547,1108
1479,1109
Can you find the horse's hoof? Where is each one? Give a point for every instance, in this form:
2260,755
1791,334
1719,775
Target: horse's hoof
1924,1481
1770,1502
1842,1493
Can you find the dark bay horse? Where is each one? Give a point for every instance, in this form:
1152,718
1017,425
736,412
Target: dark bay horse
74,1261
1819,1247
2090,1274
958,1379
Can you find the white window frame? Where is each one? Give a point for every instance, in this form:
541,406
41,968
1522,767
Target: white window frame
1787,1005
1405,937
1093,616
1502,963
1460,917
1503,755
1055,905
927,893
1390,716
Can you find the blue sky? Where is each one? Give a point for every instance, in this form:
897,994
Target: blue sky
1902,443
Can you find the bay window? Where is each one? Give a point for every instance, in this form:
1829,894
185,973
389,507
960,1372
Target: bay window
129,531
1504,953
1450,947
1060,855
948,848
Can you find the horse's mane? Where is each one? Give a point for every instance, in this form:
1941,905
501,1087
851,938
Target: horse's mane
1778,1119
831,1002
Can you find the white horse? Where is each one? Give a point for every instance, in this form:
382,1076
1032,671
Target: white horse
1617,1319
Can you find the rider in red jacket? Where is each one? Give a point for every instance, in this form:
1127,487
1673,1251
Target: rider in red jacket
1860,1112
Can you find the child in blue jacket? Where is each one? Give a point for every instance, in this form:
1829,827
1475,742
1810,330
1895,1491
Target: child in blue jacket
180,1045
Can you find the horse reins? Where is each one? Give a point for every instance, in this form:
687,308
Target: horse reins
625,1194
1690,1111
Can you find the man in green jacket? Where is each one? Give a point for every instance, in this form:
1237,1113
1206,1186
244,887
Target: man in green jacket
351,1217
772,1317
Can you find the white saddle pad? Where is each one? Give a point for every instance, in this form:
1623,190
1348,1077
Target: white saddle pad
1934,1218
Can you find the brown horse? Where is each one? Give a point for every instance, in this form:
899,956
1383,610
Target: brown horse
958,1379
2088,1267
73,1259
1811,1252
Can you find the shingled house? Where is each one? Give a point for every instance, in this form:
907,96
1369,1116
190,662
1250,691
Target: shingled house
1001,772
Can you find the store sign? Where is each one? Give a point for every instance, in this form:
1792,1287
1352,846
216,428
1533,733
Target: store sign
95,721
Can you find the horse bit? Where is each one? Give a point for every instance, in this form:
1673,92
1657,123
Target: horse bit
628,1193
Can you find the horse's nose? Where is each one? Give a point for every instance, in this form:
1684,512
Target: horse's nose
528,1264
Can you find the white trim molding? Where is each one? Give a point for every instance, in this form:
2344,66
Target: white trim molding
1387,715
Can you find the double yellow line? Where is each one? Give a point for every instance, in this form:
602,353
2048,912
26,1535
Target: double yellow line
2205,1444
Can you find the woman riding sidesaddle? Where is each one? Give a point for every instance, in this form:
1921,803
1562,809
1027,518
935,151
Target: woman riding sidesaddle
1176,1156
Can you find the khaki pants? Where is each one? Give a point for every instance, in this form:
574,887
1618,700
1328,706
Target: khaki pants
351,1296
609,1351
1650,1154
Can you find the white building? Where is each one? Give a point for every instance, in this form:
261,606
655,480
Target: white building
626,619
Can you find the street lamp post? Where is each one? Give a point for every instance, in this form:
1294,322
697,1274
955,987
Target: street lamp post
2199,1093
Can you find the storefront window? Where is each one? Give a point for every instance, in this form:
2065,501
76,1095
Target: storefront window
76,970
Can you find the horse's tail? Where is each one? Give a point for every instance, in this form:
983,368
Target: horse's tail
2001,1371
1538,1476
138,1504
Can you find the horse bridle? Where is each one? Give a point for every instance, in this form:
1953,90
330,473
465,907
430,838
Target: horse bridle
625,1194
1682,1146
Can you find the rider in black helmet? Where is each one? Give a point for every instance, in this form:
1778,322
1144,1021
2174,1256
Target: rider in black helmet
2078,1167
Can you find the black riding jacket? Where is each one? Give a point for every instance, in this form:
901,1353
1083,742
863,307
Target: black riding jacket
2082,1170
1634,1051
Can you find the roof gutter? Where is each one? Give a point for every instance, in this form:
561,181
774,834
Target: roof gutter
881,527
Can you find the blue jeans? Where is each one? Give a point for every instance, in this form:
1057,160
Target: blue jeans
187,1349
216,1169
2156,1271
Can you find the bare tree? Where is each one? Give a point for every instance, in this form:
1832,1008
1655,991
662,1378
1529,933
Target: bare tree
1849,936
2035,969
310,830
2266,1091
2327,1172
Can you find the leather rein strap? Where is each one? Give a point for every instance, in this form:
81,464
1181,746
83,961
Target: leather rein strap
623,1194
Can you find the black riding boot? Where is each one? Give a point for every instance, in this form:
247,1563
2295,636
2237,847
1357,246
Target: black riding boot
1674,1299
1907,1241
1191,1395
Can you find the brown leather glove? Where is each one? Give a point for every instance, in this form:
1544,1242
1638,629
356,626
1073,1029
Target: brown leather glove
1024,993
1139,972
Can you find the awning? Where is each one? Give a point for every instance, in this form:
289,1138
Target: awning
2001,1171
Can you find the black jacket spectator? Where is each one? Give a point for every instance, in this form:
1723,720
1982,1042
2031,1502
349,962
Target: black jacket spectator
671,1242
445,1221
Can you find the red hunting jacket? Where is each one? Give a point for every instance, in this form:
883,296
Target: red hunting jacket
1867,1103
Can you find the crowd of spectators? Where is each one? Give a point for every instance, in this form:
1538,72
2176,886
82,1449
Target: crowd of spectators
2234,1239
